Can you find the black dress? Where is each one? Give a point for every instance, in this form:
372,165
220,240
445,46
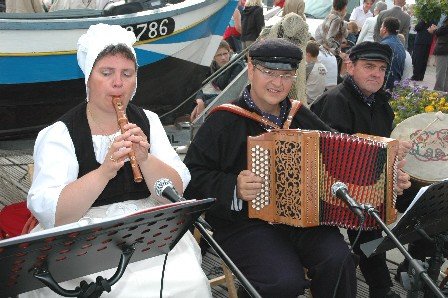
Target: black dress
422,45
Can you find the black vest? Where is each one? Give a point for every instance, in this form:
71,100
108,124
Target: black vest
122,187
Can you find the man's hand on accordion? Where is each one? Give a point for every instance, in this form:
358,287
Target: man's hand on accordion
403,178
248,185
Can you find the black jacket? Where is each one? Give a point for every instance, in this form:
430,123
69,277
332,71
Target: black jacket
423,36
252,22
441,48
120,188
226,77
343,109
218,153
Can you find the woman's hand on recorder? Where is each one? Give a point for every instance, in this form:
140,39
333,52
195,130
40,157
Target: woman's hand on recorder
139,141
115,157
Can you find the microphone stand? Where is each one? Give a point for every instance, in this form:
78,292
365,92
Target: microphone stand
225,258
164,188
417,269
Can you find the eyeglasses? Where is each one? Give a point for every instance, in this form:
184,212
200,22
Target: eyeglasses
222,54
269,74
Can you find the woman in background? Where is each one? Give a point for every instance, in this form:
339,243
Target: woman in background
232,34
252,22
295,6
294,28
333,31
441,54
222,56
421,47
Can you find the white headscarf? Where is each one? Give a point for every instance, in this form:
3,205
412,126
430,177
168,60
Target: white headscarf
95,40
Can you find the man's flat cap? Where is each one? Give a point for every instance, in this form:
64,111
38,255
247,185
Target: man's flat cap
369,50
276,53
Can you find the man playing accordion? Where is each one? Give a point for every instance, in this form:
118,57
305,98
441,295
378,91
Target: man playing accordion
271,256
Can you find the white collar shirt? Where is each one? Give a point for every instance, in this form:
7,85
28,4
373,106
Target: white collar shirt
359,16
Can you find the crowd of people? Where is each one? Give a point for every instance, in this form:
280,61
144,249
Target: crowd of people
339,32
410,55
82,167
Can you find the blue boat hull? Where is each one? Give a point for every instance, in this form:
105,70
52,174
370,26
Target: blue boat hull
37,87
43,103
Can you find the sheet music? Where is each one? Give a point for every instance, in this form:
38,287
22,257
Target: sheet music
416,198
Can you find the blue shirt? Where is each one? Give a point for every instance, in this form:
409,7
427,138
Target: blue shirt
442,19
396,67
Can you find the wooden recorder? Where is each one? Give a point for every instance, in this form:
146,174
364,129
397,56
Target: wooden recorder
122,121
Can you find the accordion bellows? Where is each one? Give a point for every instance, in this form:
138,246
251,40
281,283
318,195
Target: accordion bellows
299,167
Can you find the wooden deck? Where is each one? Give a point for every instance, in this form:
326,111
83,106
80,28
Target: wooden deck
14,179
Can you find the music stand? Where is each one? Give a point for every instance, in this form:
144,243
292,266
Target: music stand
429,213
80,251
425,217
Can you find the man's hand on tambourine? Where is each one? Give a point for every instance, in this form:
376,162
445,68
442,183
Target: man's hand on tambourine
403,149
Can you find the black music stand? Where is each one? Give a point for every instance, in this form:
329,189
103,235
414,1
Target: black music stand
64,255
426,217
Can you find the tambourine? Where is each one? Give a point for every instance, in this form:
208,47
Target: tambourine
427,161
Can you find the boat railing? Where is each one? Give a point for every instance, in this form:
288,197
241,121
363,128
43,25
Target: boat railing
111,9
182,132
226,66
126,7
60,14
207,80
271,11
231,92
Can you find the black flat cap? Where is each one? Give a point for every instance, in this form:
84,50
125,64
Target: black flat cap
276,53
369,50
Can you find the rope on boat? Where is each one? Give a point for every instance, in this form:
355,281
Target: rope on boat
210,78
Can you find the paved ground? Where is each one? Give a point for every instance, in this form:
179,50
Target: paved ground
430,75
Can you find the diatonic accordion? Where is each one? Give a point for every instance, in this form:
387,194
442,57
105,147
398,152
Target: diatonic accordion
299,168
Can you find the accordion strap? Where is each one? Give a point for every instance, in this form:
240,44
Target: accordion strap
295,105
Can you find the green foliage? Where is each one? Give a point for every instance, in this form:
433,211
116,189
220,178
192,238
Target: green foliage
428,10
444,6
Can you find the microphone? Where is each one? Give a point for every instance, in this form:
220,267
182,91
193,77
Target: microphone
165,188
339,189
